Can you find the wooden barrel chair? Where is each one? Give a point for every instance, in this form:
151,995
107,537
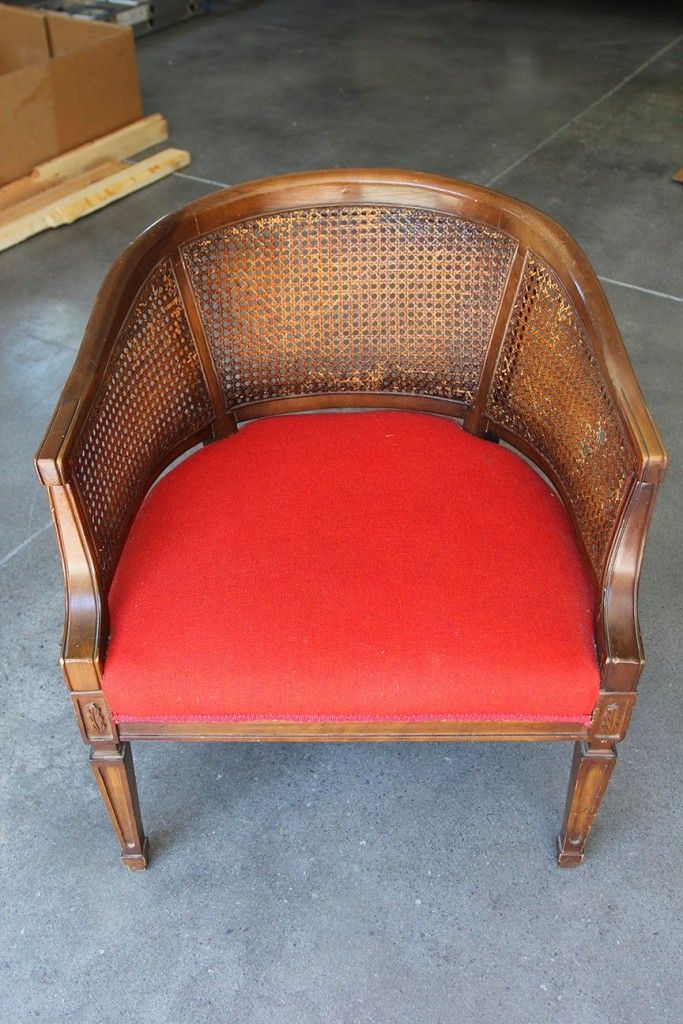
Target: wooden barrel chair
394,574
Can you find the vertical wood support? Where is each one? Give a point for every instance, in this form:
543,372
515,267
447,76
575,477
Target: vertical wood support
590,774
224,422
113,770
476,421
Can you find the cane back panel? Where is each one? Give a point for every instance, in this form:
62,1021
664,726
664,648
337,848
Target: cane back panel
349,299
549,390
153,397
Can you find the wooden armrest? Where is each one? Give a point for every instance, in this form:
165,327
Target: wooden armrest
135,400
618,638
589,430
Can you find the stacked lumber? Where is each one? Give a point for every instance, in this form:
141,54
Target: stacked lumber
85,179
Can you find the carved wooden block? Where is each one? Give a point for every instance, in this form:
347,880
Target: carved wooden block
612,716
94,718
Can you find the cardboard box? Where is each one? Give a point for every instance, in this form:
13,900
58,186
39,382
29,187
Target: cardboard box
63,82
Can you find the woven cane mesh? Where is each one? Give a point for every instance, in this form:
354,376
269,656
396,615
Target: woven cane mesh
153,397
549,390
339,299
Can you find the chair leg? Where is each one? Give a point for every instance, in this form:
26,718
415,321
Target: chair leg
590,774
113,770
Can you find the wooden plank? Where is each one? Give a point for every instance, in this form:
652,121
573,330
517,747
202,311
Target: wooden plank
90,197
348,732
64,188
118,145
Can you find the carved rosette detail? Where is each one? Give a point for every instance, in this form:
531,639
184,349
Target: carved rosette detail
611,719
96,719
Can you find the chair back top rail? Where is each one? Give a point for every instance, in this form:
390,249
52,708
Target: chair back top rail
531,229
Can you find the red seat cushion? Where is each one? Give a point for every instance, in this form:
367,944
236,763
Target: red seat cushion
366,566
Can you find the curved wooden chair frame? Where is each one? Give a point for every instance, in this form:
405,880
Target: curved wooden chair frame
615,570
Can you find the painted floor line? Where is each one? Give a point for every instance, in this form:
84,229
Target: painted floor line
586,110
639,288
24,543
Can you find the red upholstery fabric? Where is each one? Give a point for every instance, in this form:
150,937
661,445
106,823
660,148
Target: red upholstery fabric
364,566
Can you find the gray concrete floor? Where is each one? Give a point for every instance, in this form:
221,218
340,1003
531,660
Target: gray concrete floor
380,883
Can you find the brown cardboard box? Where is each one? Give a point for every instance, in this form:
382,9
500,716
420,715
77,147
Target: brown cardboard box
63,82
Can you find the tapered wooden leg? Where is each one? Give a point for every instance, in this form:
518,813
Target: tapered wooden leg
590,774
113,770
